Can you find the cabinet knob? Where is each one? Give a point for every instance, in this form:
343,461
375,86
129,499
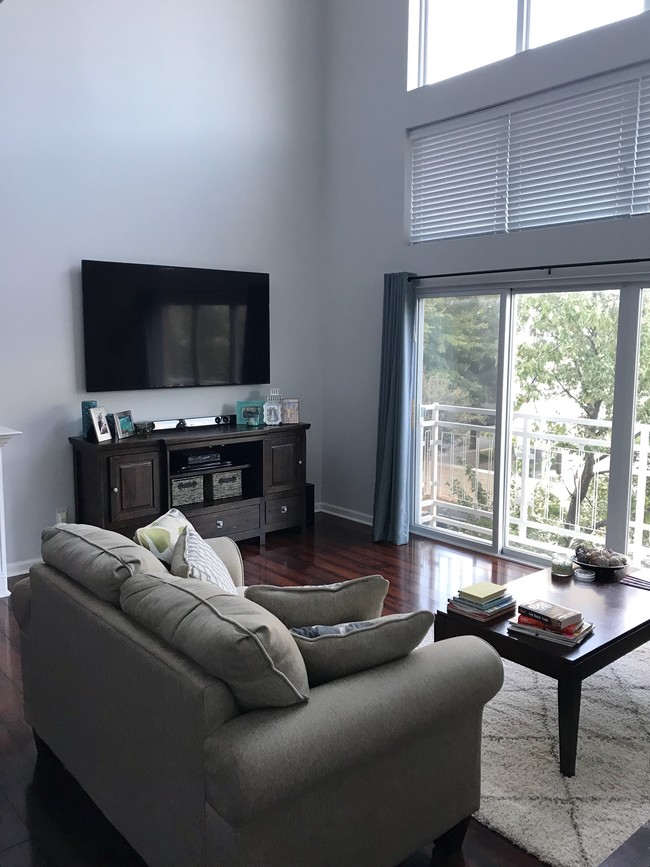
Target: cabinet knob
116,490
284,509
299,463
219,525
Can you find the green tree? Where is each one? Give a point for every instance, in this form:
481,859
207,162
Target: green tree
460,350
569,351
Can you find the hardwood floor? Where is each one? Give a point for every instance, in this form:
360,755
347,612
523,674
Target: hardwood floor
46,820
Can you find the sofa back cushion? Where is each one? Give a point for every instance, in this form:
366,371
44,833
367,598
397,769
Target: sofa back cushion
328,604
230,637
98,559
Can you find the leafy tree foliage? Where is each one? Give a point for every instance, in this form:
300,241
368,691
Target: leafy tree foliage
566,355
569,352
460,349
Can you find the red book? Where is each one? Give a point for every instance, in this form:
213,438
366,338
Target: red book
531,621
556,616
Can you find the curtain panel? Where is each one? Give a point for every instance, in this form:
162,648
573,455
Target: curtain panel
391,513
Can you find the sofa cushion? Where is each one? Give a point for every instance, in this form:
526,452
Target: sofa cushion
331,652
229,636
357,599
194,558
161,535
98,559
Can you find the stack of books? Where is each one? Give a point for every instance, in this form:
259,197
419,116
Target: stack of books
484,601
551,622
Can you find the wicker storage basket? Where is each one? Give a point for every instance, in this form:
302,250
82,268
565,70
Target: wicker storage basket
186,491
218,486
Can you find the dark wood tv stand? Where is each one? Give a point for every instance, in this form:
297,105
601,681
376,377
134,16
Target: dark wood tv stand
125,484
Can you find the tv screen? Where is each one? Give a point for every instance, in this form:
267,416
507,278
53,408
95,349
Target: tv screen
159,326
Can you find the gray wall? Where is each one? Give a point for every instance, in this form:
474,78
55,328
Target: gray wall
260,134
187,133
368,113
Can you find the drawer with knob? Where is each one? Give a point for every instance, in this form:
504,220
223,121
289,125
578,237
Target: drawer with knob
284,512
228,522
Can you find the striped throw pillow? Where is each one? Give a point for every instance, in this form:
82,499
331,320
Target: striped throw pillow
194,558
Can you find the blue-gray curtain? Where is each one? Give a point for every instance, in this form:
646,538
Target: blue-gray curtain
391,507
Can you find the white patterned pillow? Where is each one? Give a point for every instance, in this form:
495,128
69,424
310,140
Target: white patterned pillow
194,558
161,536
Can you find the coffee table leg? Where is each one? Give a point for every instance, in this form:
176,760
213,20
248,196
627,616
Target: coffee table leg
568,705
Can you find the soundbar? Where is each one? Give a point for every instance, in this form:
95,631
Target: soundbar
202,421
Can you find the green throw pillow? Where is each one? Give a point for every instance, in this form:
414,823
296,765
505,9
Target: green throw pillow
335,651
357,599
161,536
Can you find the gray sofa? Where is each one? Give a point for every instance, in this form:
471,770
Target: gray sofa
367,770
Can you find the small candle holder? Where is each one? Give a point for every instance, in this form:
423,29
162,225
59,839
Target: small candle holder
561,566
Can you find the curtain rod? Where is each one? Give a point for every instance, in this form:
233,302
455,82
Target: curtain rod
547,268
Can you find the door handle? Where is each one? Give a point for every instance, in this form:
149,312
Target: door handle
219,525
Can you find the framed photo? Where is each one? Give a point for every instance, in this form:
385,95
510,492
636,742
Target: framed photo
124,426
290,410
250,412
100,423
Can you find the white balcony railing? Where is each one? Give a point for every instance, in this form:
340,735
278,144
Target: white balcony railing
549,459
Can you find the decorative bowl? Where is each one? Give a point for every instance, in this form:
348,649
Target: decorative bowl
603,573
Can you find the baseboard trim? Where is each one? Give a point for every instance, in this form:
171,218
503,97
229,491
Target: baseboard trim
18,570
350,514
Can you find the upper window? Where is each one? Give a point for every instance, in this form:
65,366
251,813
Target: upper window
447,37
583,155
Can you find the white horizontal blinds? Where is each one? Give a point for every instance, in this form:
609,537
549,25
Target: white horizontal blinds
458,180
573,159
641,188
584,157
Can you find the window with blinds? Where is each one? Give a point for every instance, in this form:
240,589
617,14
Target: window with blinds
581,157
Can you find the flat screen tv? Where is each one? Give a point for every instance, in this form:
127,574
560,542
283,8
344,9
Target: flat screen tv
160,326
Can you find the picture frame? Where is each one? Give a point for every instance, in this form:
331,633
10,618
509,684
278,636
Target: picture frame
250,412
124,426
290,410
273,411
99,420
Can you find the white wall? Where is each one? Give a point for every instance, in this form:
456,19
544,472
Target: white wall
368,111
148,131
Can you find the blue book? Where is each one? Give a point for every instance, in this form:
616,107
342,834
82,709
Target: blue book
502,601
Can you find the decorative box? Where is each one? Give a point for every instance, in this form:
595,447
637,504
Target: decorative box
188,490
218,486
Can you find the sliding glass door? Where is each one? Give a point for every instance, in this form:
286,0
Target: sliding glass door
456,414
560,421
531,417
638,531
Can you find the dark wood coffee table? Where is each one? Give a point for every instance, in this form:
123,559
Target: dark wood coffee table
621,617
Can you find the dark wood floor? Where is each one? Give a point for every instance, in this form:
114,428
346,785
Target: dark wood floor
46,820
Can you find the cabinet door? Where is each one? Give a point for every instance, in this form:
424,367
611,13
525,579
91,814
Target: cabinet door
134,481
284,463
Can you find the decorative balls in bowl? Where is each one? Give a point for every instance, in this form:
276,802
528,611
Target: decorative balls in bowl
607,564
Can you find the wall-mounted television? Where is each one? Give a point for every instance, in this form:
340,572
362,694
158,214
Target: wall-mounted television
160,326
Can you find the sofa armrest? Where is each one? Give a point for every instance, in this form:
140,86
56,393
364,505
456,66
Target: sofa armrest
229,552
21,604
265,757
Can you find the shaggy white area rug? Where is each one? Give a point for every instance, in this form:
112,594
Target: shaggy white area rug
569,821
